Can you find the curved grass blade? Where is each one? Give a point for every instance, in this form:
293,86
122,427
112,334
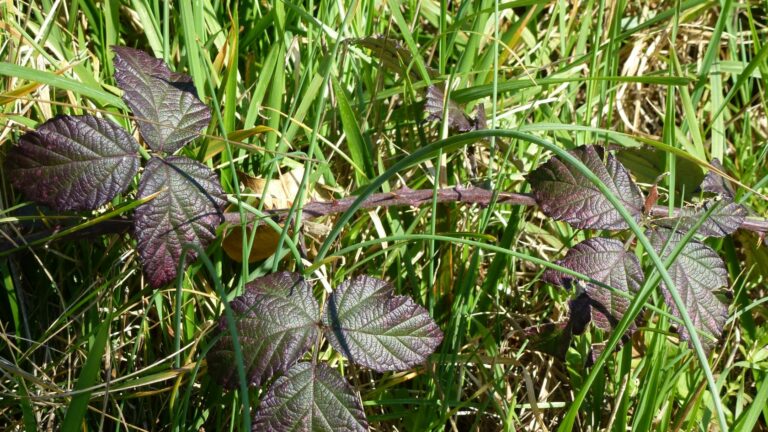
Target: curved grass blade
57,81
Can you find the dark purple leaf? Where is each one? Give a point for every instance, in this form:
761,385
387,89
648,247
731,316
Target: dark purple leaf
715,184
579,314
434,104
393,55
310,398
480,122
555,338
563,193
277,322
726,218
187,210
549,338
605,261
371,327
696,273
74,162
594,352
165,103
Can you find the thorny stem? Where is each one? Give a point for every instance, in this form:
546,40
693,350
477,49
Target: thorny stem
400,197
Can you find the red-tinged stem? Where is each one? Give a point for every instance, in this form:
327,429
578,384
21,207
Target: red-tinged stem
400,197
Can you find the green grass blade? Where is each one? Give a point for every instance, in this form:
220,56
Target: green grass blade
358,148
76,411
48,78
749,419
756,62
485,90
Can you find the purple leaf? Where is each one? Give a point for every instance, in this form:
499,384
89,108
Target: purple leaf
187,209
579,314
715,184
165,103
555,338
605,261
726,218
480,122
371,327
457,119
311,398
696,273
563,193
277,321
393,55
594,352
74,162
549,338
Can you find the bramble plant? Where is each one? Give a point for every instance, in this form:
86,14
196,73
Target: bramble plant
278,320
613,271
83,162
564,193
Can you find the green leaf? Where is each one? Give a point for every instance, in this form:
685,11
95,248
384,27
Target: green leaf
358,147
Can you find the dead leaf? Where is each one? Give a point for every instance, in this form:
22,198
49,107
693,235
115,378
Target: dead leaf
264,245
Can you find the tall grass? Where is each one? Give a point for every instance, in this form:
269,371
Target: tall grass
87,344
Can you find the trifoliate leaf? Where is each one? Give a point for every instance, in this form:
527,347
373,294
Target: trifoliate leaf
312,398
277,322
563,193
74,162
726,218
696,273
606,261
164,103
186,210
371,327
